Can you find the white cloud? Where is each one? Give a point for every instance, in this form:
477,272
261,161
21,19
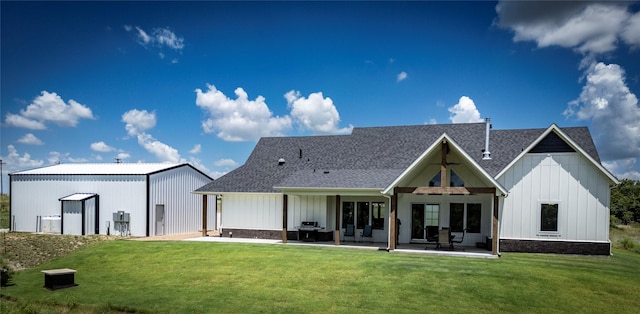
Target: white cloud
239,119
16,162
225,163
623,168
587,27
143,37
164,36
159,37
138,121
162,151
315,113
101,147
631,32
49,107
57,157
122,156
19,121
30,139
613,110
196,149
402,76
464,111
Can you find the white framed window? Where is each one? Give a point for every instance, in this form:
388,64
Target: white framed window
549,212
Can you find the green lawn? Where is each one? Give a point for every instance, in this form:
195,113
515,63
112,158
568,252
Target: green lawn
4,211
189,277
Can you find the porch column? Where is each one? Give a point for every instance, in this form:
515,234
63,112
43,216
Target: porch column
285,204
494,231
336,233
393,216
204,215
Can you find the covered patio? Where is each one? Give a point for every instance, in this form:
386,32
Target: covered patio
379,246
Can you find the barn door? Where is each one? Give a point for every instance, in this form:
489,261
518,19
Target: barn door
159,219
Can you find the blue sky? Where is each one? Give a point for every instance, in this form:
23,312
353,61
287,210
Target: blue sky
200,82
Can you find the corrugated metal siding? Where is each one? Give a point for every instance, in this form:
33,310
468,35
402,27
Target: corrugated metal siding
38,195
252,211
183,210
580,189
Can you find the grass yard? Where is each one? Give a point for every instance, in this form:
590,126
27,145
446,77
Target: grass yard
193,277
4,211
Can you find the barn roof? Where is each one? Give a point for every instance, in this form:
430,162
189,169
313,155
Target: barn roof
372,157
102,169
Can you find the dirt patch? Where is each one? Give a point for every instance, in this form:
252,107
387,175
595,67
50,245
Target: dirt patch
28,250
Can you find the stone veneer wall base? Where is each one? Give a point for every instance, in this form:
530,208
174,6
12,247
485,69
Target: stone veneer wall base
557,247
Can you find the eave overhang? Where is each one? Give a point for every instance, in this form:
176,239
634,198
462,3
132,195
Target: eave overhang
444,138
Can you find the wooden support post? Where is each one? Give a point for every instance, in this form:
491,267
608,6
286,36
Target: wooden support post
204,215
494,231
393,217
285,204
336,233
443,166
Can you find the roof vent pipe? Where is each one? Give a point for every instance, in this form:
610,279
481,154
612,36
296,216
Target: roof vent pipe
486,155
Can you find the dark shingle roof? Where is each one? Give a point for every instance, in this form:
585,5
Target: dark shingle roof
372,157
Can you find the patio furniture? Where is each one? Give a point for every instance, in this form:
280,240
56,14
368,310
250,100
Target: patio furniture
444,239
350,231
432,235
367,232
458,241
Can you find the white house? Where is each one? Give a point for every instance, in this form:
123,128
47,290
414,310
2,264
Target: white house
110,198
527,190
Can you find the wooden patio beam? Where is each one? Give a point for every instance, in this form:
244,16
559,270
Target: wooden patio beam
393,216
336,233
204,215
443,166
449,190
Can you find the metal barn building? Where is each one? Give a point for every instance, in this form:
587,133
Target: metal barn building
139,199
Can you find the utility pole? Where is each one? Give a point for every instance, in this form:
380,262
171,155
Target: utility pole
1,175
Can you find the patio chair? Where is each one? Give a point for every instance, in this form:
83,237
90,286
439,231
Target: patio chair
350,231
367,232
461,239
444,239
432,235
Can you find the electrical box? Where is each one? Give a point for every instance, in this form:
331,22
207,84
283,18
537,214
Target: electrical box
121,222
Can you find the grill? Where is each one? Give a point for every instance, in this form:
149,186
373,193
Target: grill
308,231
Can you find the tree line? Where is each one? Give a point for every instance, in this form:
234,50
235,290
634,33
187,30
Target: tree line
625,201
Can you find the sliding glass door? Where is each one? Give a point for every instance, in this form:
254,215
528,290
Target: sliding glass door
423,217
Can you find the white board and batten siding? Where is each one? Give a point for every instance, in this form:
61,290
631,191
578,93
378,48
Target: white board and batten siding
252,211
567,179
264,211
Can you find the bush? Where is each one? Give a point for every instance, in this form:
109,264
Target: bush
629,244
614,222
5,272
